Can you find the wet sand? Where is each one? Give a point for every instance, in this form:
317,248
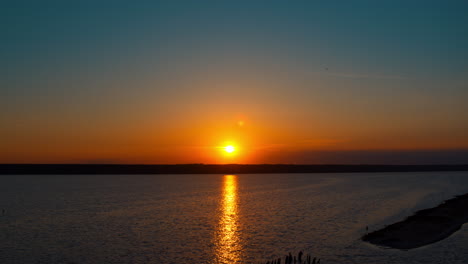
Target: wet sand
424,227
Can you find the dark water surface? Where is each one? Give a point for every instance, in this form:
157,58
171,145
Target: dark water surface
218,218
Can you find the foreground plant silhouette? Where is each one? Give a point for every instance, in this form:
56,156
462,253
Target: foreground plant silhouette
299,259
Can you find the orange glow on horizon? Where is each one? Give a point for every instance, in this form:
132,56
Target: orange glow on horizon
212,137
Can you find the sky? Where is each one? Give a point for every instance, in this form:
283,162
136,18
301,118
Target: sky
282,81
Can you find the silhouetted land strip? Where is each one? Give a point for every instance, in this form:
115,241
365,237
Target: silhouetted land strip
214,169
424,227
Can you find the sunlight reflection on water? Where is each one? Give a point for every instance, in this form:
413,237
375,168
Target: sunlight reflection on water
228,245
218,219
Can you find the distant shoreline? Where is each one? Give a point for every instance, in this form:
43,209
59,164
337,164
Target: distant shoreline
424,227
214,168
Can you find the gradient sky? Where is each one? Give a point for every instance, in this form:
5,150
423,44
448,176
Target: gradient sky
284,81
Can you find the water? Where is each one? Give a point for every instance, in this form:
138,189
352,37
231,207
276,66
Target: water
218,218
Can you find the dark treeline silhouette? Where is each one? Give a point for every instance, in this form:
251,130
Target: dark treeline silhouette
213,168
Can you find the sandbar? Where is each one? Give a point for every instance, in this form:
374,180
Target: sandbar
424,227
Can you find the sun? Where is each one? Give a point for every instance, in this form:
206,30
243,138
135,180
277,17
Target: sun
229,149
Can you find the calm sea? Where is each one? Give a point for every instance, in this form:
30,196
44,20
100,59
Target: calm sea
218,218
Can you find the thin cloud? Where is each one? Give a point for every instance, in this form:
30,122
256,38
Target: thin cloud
363,76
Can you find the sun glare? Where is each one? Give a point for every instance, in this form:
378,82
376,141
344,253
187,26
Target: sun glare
229,149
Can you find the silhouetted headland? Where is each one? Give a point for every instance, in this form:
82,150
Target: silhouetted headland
424,227
214,169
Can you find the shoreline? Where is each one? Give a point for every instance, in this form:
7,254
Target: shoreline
425,227
17,169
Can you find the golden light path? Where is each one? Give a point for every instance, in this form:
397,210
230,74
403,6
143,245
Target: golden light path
228,247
